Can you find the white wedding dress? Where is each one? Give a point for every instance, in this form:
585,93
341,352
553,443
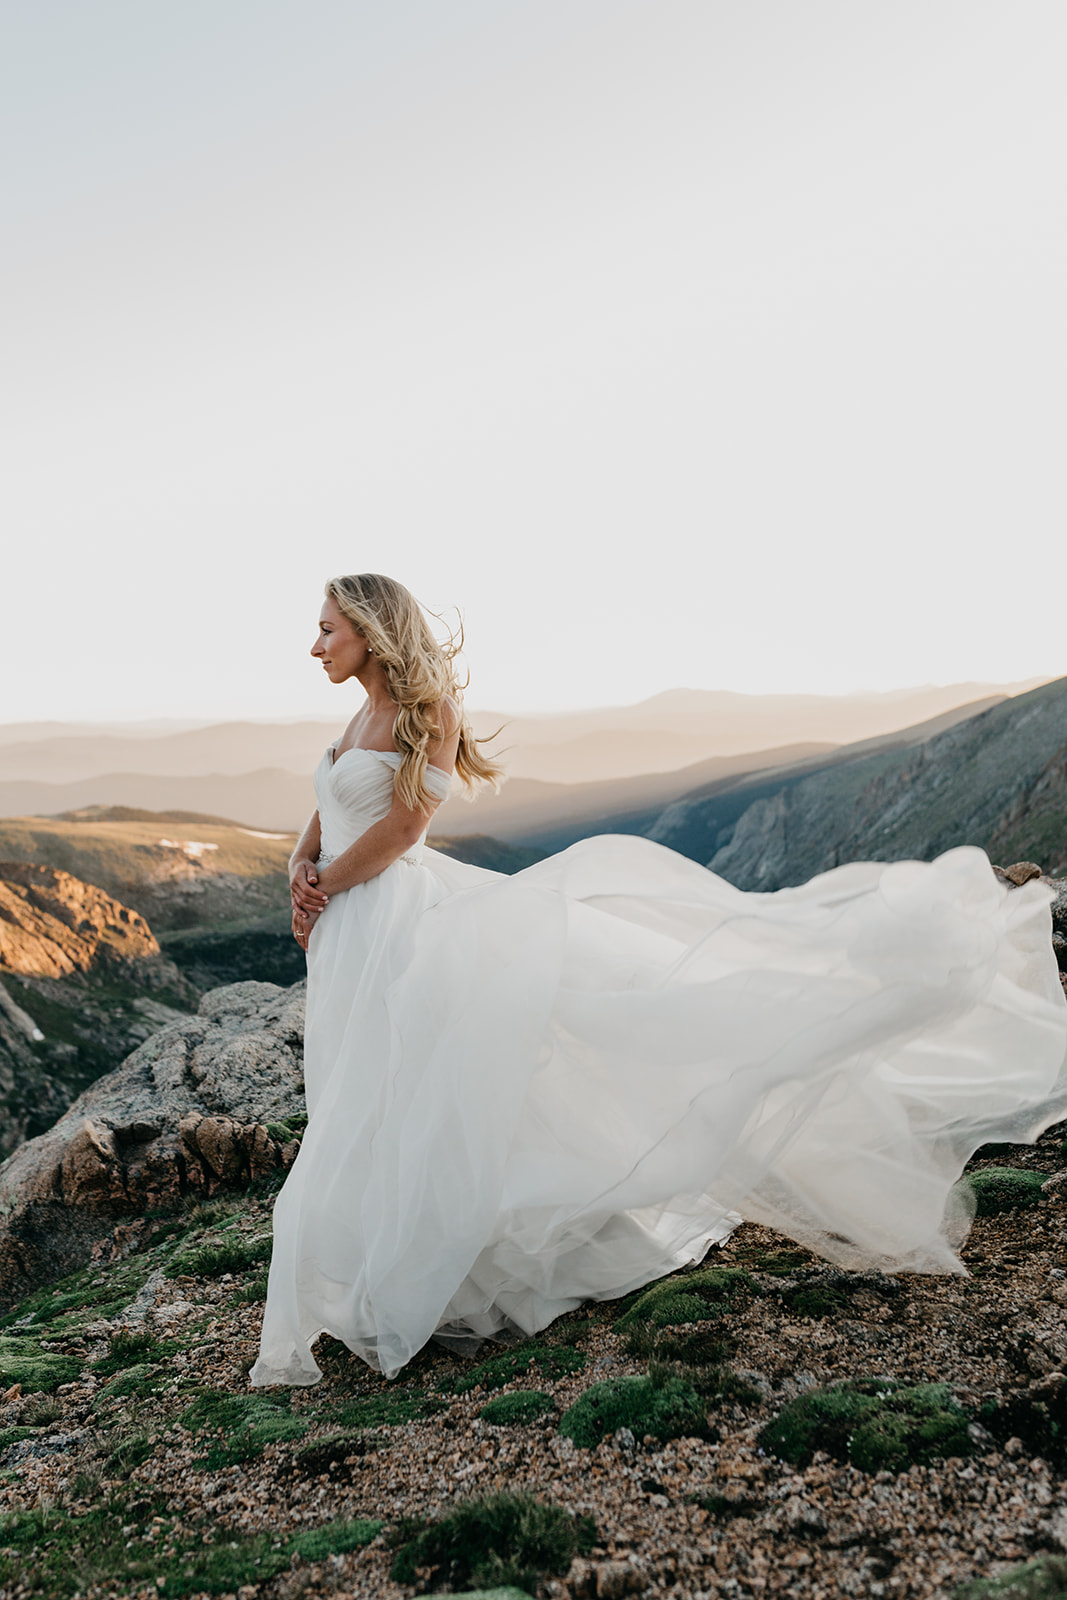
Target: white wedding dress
526,1092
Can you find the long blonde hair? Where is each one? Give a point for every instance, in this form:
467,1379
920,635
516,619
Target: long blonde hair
421,677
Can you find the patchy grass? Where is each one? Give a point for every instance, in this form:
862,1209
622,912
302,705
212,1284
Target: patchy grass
246,1422
133,1347
391,1408
663,1405
1005,1189
85,1296
551,1361
1043,1579
488,1543
54,1554
517,1409
873,1423
130,1451
215,1257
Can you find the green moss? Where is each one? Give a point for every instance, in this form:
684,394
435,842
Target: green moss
391,1408
23,1361
213,1259
874,1423
814,1300
778,1263
503,1539
698,1348
713,1383
1005,1189
550,1360
509,1592
334,1538
67,1306
289,1128
665,1407
141,1378
517,1409
1043,1579
246,1422
60,1556
694,1297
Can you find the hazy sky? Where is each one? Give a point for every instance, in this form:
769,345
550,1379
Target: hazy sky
679,343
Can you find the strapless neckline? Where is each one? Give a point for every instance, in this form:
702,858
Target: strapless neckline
383,755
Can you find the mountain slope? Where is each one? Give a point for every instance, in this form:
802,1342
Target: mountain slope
703,821
996,780
84,982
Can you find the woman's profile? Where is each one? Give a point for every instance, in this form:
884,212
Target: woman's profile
526,1092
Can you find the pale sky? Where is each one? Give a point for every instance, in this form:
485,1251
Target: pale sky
678,343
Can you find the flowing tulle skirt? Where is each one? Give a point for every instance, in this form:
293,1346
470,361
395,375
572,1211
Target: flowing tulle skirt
531,1091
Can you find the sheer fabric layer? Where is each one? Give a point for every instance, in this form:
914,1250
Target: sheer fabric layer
531,1091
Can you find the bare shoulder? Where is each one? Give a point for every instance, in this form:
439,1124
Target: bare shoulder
449,718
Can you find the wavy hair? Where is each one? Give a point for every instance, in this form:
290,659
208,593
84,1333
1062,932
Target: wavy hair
421,675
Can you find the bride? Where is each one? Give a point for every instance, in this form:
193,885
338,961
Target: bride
526,1092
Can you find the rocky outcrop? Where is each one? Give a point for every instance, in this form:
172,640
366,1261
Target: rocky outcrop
82,983
53,925
201,1105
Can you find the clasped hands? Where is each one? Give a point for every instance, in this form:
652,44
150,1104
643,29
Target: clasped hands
308,900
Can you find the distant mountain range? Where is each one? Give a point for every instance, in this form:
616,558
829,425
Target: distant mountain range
624,763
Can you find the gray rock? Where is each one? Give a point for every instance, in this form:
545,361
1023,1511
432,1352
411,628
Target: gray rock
186,1113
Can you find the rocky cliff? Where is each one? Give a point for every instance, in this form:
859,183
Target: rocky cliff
206,1101
998,780
82,983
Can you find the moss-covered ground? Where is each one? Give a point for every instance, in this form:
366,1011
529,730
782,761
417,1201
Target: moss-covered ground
765,1416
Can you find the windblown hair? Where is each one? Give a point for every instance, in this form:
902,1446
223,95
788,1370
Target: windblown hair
422,679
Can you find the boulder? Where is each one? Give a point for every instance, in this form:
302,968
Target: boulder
199,1106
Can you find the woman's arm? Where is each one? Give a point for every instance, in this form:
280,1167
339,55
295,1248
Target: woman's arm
388,839
303,871
376,849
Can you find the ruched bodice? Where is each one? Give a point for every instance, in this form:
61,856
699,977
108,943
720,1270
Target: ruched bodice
355,790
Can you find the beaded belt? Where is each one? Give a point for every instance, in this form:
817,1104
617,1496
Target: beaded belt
325,858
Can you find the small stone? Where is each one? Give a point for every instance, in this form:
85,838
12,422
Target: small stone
1021,872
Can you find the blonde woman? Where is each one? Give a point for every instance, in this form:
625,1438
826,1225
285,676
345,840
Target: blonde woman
525,1092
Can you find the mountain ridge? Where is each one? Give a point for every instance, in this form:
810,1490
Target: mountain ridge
997,780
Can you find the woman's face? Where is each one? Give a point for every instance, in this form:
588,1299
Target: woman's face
340,647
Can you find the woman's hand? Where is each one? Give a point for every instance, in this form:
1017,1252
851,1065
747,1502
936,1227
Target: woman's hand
303,922
303,890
